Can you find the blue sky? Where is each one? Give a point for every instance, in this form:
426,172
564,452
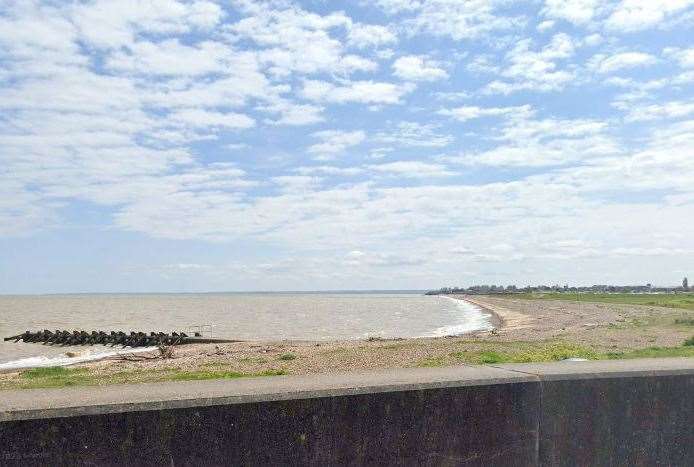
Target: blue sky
241,145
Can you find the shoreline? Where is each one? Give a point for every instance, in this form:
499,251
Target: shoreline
524,331
506,319
496,319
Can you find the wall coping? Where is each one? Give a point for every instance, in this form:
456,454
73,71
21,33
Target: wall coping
69,402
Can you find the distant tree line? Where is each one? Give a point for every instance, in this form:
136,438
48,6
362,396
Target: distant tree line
511,289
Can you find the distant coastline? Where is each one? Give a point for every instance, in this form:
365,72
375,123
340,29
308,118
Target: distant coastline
566,289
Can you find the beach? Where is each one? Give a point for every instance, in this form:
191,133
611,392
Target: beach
524,330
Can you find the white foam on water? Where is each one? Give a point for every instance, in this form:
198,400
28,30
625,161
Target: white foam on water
473,318
64,360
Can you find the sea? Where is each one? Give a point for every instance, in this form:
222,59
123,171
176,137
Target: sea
243,316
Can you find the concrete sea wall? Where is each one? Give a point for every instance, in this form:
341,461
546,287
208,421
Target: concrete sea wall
638,412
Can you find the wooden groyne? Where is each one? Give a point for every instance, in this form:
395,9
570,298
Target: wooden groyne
113,338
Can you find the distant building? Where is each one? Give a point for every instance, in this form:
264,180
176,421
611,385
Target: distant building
685,284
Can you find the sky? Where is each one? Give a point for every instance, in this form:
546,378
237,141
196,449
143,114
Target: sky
189,146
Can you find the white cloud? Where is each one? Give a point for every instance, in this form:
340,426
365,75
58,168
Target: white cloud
685,57
484,64
397,6
295,40
365,92
296,183
546,25
536,71
466,113
370,35
546,142
620,61
452,96
414,134
593,40
203,118
170,57
459,20
418,68
329,170
413,169
635,15
334,142
236,146
115,23
674,109
574,11
294,114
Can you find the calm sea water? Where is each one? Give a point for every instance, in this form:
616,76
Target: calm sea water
239,316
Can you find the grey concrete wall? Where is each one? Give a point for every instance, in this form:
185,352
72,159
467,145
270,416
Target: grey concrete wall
592,413
631,413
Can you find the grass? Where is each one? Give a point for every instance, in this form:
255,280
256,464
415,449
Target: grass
287,356
653,352
432,362
680,300
482,353
524,352
58,377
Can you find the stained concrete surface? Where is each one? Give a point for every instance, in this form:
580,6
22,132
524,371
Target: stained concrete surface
638,412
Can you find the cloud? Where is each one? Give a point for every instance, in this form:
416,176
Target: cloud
295,114
609,64
365,92
684,57
370,35
397,6
673,109
418,68
547,142
466,113
329,170
115,23
545,25
296,183
356,258
535,71
202,118
455,19
575,11
483,64
452,96
415,135
334,142
292,40
170,57
412,169
636,15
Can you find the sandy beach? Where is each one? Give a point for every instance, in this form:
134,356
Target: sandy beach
538,329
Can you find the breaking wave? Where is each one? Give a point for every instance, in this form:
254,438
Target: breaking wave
64,359
472,318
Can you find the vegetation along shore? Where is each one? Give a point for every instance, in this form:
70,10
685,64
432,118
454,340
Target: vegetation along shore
528,327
